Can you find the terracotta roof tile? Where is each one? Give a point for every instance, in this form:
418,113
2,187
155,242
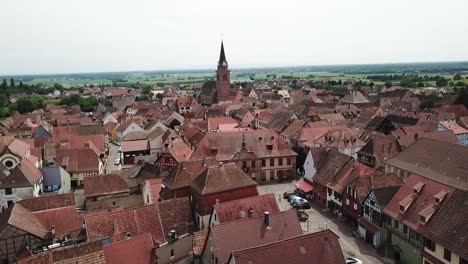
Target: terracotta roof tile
221,178
198,241
416,201
247,207
435,159
115,224
104,185
135,250
48,202
22,218
450,226
135,145
251,232
255,140
65,220
176,214
186,172
322,247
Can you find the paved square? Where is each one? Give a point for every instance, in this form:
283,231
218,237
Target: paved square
320,220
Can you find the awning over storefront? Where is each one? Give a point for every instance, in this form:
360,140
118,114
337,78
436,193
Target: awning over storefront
304,186
368,226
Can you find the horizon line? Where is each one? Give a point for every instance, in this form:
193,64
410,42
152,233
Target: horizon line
235,69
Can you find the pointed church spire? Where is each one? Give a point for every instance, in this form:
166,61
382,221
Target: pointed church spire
222,56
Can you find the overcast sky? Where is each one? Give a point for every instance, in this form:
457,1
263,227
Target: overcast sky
63,36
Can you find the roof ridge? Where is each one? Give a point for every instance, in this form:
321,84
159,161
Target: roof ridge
326,231
251,218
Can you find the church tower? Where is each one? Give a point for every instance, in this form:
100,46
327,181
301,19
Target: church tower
223,77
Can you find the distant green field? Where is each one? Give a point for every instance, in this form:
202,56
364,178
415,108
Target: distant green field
198,78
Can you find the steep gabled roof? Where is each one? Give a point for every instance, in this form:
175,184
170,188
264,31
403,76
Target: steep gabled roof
436,160
417,196
221,178
117,224
228,143
247,207
48,202
251,232
176,214
135,250
186,172
22,218
450,226
105,184
319,247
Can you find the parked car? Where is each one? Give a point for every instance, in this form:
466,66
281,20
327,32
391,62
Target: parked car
294,199
120,149
351,260
287,195
302,206
115,142
303,216
117,161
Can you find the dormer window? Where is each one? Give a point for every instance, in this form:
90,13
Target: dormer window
418,187
214,151
439,197
402,209
422,220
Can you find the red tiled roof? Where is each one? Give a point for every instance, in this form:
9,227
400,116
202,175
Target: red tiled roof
180,150
135,145
221,178
65,220
434,159
216,123
78,160
104,185
116,224
247,207
22,218
63,133
176,214
155,188
227,144
418,202
252,232
319,247
293,129
340,138
48,202
186,172
19,147
80,142
136,250
198,241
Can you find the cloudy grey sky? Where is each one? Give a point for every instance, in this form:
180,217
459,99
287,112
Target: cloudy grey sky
61,36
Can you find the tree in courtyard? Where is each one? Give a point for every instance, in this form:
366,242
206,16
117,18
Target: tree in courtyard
3,86
462,97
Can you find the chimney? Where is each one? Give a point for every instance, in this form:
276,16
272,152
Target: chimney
266,219
172,235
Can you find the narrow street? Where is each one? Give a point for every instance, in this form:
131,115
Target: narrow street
113,152
321,220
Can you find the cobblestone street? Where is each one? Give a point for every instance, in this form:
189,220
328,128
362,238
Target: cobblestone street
320,220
